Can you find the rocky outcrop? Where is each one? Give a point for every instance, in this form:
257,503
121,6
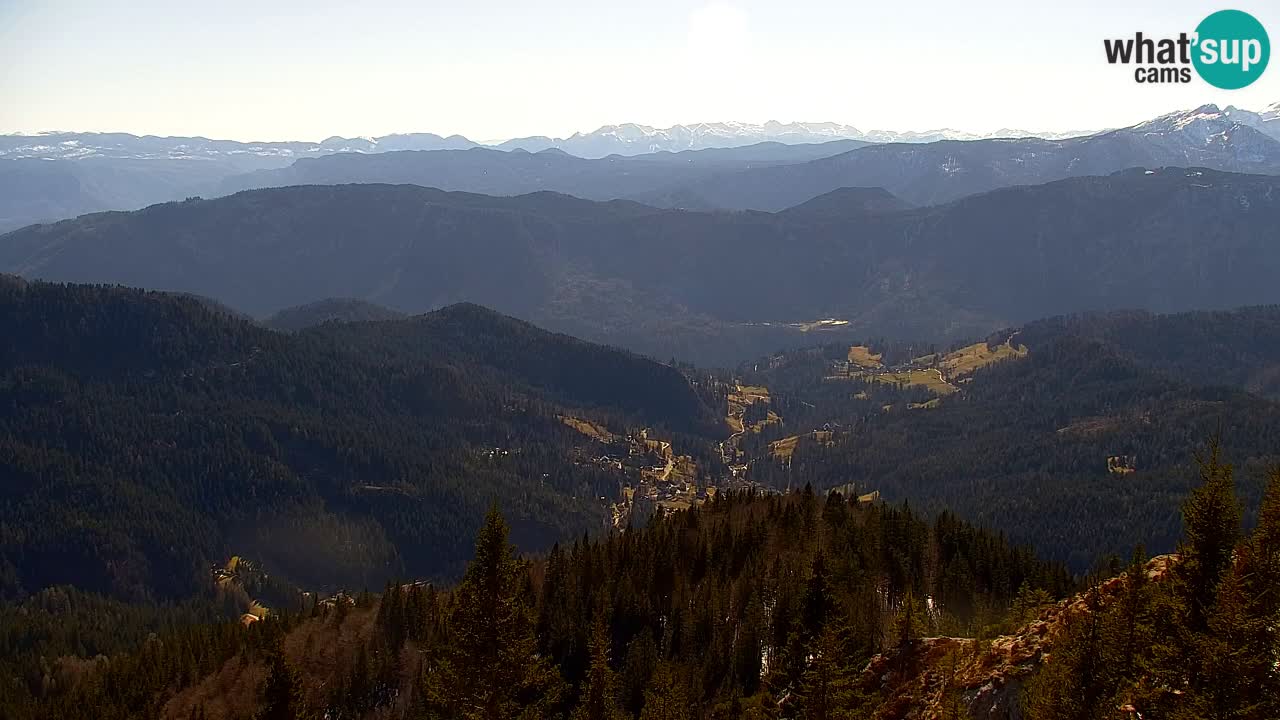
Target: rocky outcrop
940,678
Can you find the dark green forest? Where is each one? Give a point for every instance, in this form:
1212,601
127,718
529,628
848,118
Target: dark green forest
1197,642
145,437
749,607
1024,445
1236,348
714,611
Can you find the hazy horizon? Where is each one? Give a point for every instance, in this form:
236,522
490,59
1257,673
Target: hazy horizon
496,70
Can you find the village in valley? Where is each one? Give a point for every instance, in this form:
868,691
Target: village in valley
655,477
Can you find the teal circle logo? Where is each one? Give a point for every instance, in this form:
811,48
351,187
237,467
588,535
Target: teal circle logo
1232,49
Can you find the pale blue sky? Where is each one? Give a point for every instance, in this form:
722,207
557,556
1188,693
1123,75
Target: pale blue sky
492,69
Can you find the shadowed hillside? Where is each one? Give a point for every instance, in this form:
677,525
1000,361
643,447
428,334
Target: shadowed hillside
708,286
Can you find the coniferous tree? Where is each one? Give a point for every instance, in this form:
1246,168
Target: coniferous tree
598,699
817,596
637,667
1232,661
1261,579
1211,527
1077,683
495,671
827,690
282,696
666,697
1028,603
909,622
1132,628
748,646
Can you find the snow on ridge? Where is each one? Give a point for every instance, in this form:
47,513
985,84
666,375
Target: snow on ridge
1200,125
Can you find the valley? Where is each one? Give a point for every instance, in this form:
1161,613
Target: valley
710,421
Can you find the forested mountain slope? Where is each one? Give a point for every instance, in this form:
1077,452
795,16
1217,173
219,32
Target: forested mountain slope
756,607
36,190
516,172
1231,347
145,437
301,317
710,613
1078,447
700,285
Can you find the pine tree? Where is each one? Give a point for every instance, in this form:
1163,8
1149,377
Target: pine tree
1027,604
817,598
497,672
282,696
637,667
748,644
666,698
953,703
1233,659
598,700
1261,576
909,623
1079,680
1211,520
392,619
1133,622
1238,677
827,690
1267,533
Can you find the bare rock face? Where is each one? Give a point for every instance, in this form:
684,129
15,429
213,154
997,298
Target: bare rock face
935,677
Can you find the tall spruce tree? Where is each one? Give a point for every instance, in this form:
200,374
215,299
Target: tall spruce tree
1262,590
666,697
828,688
637,667
598,699
494,670
282,695
909,622
1211,527
1079,681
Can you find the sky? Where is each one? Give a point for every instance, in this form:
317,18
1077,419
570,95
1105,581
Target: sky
496,69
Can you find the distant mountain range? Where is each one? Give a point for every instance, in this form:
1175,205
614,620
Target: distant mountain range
497,172
930,173
65,184
52,176
713,287
773,177
243,155
624,139
632,139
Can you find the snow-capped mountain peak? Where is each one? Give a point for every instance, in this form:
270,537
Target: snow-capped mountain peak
1198,126
1208,122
